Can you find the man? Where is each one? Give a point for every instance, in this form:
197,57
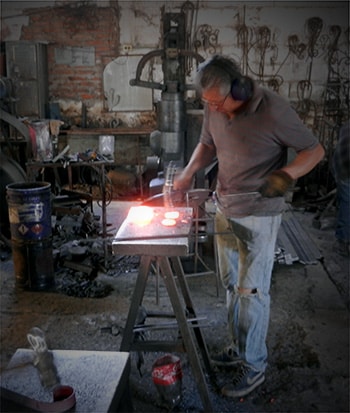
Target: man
341,170
248,129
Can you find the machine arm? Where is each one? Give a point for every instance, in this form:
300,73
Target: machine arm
160,52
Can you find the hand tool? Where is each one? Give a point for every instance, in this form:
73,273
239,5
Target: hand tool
43,358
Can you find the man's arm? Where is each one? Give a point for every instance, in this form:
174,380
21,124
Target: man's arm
278,182
304,162
201,157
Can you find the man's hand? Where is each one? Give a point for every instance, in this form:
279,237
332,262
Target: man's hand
183,181
276,184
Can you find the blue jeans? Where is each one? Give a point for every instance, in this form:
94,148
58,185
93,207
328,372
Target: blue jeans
246,256
342,231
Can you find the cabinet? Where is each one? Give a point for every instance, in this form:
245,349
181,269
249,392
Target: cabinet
26,64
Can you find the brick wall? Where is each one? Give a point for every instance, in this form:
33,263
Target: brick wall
67,26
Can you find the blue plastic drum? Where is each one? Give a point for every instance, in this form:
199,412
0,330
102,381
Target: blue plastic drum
29,206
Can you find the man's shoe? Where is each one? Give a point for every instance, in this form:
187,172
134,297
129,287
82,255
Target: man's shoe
226,358
245,382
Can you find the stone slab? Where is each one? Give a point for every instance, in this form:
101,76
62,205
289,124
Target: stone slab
99,378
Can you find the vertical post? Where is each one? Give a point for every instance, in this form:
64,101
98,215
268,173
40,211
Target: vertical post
104,212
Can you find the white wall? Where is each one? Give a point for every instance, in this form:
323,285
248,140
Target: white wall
140,27
226,22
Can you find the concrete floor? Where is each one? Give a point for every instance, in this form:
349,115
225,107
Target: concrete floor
308,338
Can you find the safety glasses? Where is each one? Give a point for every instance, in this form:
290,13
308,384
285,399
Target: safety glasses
215,105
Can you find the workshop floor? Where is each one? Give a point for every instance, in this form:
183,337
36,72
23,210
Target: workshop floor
308,338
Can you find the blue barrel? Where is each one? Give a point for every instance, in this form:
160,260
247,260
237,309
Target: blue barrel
29,206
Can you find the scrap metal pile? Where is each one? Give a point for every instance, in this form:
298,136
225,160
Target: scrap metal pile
80,251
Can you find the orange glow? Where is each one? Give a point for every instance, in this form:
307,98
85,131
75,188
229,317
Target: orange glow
172,214
168,222
140,215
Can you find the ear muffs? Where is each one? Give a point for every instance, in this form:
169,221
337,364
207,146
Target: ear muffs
242,89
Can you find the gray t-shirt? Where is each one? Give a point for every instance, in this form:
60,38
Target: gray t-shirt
249,147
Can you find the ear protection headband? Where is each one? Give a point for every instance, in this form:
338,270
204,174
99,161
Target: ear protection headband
241,86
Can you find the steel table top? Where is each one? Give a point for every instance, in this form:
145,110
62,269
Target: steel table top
143,234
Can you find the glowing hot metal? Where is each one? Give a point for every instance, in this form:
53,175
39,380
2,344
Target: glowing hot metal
140,215
168,222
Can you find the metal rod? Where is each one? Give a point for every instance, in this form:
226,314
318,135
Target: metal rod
142,327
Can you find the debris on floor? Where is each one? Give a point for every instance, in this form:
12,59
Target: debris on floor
75,283
80,251
294,244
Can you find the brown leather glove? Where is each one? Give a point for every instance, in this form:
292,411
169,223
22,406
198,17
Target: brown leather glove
276,184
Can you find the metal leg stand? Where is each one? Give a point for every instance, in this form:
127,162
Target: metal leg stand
188,336
139,291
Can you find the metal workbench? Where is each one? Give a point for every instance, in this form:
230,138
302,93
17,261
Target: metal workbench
164,245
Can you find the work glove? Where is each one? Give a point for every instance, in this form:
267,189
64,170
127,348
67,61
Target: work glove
276,184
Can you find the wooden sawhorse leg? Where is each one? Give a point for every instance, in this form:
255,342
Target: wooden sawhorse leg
187,335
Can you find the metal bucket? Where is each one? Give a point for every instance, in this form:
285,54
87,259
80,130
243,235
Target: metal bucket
29,205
